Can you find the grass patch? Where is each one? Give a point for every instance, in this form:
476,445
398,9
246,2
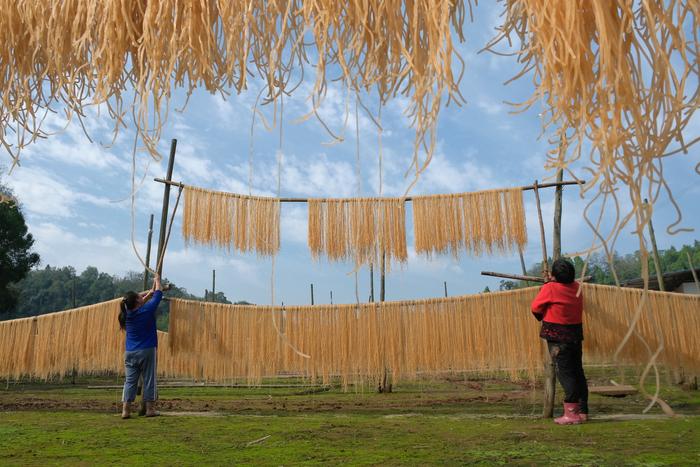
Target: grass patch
91,438
451,420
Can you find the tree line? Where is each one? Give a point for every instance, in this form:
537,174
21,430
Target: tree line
627,266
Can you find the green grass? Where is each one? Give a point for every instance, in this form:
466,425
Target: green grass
452,420
92,438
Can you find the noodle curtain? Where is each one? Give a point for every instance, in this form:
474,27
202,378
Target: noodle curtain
486,332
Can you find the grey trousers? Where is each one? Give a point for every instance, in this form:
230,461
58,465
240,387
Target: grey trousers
140,363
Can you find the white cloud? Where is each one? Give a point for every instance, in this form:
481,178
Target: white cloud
58,246
490,107
44,194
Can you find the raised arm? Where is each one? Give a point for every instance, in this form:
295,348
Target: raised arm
153,296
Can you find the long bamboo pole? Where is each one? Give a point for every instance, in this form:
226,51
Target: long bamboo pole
550,379
522,277
408,198
655,254
692,271
148,254
556,233
166,202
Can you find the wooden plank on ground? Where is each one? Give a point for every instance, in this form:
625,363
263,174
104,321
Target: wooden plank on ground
613,391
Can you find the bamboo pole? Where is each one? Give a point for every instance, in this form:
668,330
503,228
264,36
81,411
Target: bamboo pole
692,271
371,283
556,234
523,277
522,263
655,252
545,262
550,378
148,254
382,280
408,198
213,285
166,202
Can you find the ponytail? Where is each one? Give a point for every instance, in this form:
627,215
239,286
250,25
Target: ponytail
128,303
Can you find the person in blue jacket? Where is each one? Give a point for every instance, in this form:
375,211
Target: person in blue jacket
138,318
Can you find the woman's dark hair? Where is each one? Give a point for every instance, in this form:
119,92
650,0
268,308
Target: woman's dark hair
563,271
128,303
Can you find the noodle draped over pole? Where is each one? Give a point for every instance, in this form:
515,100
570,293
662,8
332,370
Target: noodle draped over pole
360,229
483,221
227,220
487,332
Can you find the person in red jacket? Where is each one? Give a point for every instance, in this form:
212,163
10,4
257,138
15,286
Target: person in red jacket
559,305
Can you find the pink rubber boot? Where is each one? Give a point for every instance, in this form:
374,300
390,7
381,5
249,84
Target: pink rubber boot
571,415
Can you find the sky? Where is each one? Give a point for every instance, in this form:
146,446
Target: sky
75,194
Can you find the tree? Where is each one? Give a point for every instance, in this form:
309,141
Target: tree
16,257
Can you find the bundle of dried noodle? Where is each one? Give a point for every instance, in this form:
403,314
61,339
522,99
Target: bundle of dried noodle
479,222
80,53
225,342
486,332
246,223
360,229
671,319
86,339
619,79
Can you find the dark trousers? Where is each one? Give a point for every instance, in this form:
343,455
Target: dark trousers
567,358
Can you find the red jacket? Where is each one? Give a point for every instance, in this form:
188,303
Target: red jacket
558,303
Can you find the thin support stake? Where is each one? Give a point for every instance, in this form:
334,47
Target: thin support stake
692,271
655,253
148,254
545,263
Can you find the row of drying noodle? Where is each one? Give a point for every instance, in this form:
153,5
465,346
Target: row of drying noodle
361,229
484,332
86,340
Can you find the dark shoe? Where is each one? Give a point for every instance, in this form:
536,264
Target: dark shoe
142,409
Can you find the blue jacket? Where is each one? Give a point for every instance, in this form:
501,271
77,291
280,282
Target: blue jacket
141,325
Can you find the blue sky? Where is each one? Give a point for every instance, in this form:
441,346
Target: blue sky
75,194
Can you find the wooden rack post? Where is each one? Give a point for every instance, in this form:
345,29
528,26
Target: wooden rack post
166,202
655,254
549,374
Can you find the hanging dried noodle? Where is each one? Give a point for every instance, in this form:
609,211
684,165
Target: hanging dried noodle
79,53
486,332
618,79
480,222
359,229
86,340
245,223
622,75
